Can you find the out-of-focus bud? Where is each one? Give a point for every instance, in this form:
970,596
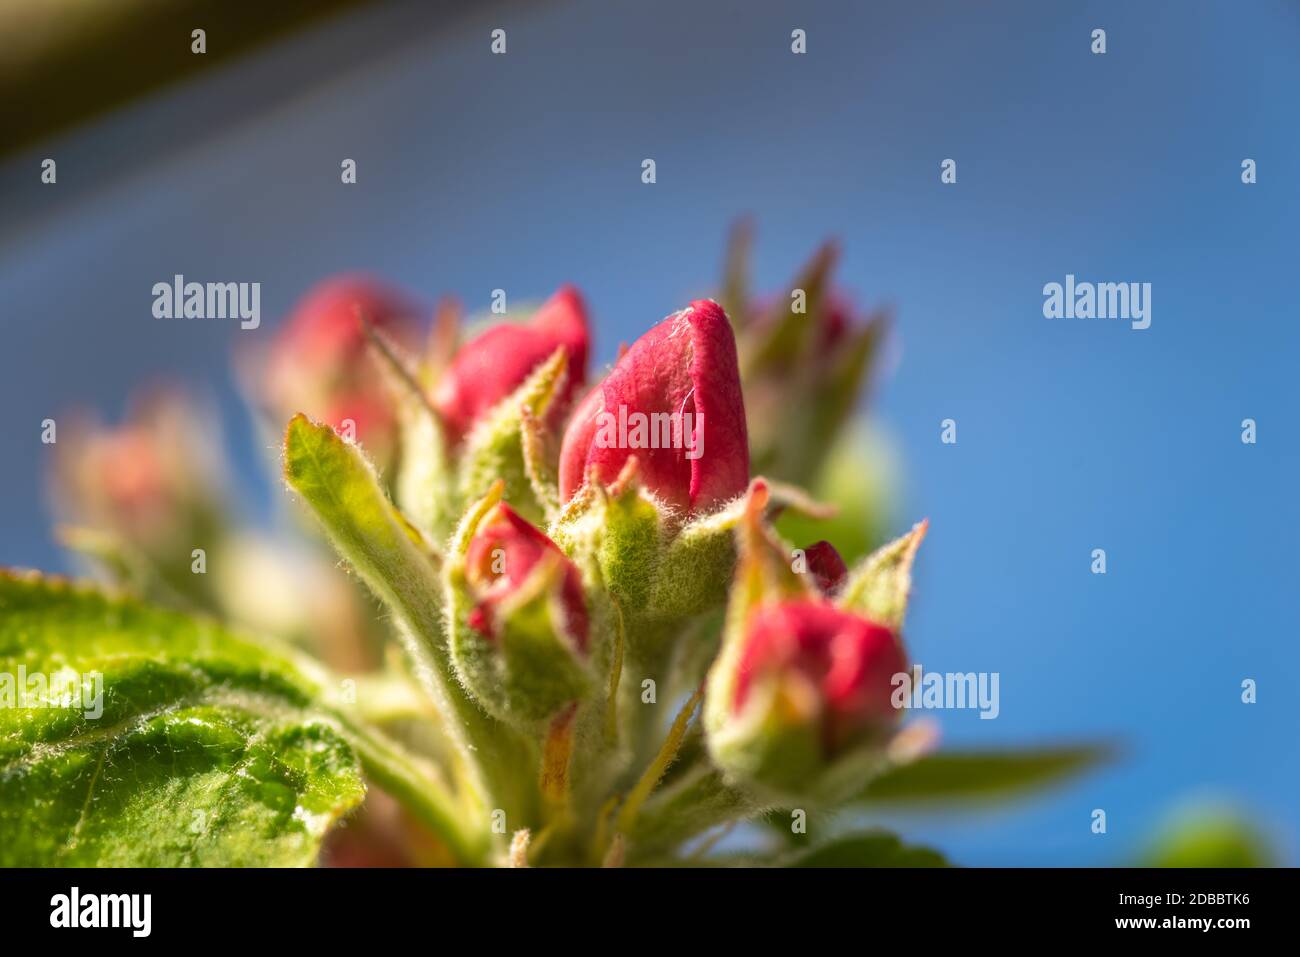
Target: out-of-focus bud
673,402
490,367
821,667
826,567
801,698
813,685
521,630
143,496
319,362
804,358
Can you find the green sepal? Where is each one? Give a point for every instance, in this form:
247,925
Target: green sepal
537,444
880,585
696,565
495,450
619,530
424,484
528,669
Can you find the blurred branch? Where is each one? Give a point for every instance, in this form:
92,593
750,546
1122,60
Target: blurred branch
65,61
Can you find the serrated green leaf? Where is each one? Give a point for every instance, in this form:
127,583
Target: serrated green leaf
209,749
980,775
868,849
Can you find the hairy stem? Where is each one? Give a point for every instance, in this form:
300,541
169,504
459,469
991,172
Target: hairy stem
650,779
699,802
419,789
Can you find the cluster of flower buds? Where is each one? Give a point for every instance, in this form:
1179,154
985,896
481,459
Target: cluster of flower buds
571,567
584,531
552,549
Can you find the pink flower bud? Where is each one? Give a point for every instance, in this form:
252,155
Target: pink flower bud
503,552
831,668
153,482
673,401
826,567
318,362
494,364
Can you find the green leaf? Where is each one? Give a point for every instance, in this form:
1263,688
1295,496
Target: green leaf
210,749
869,849
391,557
1209,836
879,587
980,775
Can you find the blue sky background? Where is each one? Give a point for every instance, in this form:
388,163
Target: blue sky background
523,172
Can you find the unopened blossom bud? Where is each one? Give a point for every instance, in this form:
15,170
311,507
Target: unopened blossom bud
319,362
505,550
521,636
146,493
674,402
494,364
826,567
808,706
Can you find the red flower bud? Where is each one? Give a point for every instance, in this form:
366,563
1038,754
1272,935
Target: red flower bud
826,567
673,401
494,364
503,552
318,362
834,668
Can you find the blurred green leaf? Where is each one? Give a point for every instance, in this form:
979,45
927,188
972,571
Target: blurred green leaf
1209,837
981,775
868,849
